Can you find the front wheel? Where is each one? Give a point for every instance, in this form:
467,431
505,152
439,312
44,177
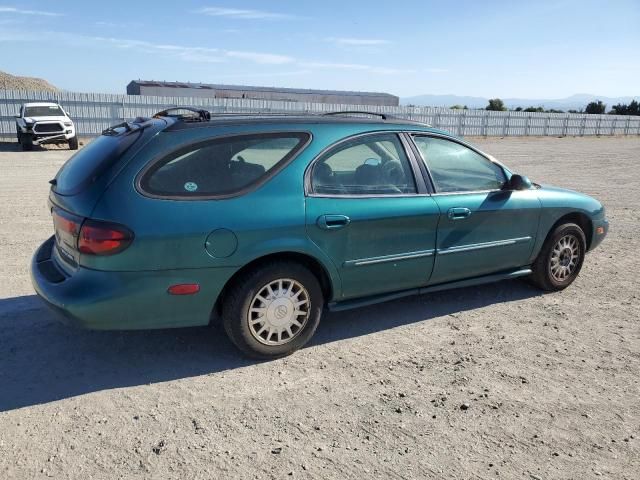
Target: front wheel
26,142
274,310
73,143
560,259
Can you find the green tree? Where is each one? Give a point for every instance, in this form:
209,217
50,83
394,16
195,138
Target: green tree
534,109
496,105
596,107
623,109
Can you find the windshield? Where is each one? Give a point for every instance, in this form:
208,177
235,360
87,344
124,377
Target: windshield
43,111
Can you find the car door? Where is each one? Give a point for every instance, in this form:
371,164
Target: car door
371,214
483,228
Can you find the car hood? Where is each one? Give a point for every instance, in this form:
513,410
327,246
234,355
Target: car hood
551,196
558,190
56,118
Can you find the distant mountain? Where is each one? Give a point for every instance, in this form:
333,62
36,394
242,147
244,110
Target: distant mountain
574,102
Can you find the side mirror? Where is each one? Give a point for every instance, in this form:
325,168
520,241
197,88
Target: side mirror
518,182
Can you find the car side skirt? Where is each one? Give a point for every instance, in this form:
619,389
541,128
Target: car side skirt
362,302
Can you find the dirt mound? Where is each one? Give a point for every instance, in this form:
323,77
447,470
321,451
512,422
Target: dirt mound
14,82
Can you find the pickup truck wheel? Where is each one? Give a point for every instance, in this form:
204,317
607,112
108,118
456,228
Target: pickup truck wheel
73,143
560,260
26,142
274,310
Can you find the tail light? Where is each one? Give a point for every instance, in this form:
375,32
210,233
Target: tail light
66,223
103,238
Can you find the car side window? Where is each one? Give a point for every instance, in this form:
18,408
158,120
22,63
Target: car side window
223,166
369,165
457,168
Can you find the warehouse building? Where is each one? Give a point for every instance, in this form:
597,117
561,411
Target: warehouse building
206,90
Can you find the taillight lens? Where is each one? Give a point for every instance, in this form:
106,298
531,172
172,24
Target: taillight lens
102,238
65,223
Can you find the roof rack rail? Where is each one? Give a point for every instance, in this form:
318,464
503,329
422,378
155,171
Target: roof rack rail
257,114
195,115
384,116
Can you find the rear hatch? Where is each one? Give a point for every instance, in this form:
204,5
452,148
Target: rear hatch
80,183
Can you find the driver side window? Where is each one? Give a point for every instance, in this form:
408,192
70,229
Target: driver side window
369,165
456,168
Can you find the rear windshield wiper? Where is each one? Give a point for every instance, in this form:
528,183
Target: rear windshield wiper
119,129
127,127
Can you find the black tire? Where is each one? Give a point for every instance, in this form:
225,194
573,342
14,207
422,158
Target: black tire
237,301
543,276
73,143
27,142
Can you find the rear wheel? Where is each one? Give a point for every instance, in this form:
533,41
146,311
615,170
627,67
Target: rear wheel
26,142
274,310
73,143
560,259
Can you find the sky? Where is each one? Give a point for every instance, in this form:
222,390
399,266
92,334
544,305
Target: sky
493,48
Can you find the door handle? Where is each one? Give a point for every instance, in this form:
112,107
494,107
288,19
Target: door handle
458,213
332,222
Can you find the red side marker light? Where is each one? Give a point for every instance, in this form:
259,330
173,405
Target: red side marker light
600,230
184,289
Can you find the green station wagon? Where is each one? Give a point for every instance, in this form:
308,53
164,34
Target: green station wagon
263,221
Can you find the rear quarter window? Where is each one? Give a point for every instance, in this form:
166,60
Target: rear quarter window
221,167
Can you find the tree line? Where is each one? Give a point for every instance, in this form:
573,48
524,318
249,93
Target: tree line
597,107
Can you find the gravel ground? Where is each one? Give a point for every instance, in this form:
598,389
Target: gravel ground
497,381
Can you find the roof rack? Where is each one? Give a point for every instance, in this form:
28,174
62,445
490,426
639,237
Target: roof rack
259,114
384,116
195,115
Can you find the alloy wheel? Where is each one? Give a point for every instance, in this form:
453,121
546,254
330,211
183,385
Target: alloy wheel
564,259
279,311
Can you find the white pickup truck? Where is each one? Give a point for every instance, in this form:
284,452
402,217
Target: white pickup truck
45,122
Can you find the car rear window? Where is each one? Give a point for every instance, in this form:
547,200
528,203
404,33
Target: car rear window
89,162
221,167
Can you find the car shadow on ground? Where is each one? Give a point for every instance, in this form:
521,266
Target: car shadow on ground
10,146
42,360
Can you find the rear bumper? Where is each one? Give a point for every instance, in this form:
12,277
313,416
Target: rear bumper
103,300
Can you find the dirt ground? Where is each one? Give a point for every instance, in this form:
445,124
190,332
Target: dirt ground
497,381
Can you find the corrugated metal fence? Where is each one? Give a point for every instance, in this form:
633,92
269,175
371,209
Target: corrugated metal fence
93,112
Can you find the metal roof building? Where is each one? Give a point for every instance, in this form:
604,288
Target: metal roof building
185,89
